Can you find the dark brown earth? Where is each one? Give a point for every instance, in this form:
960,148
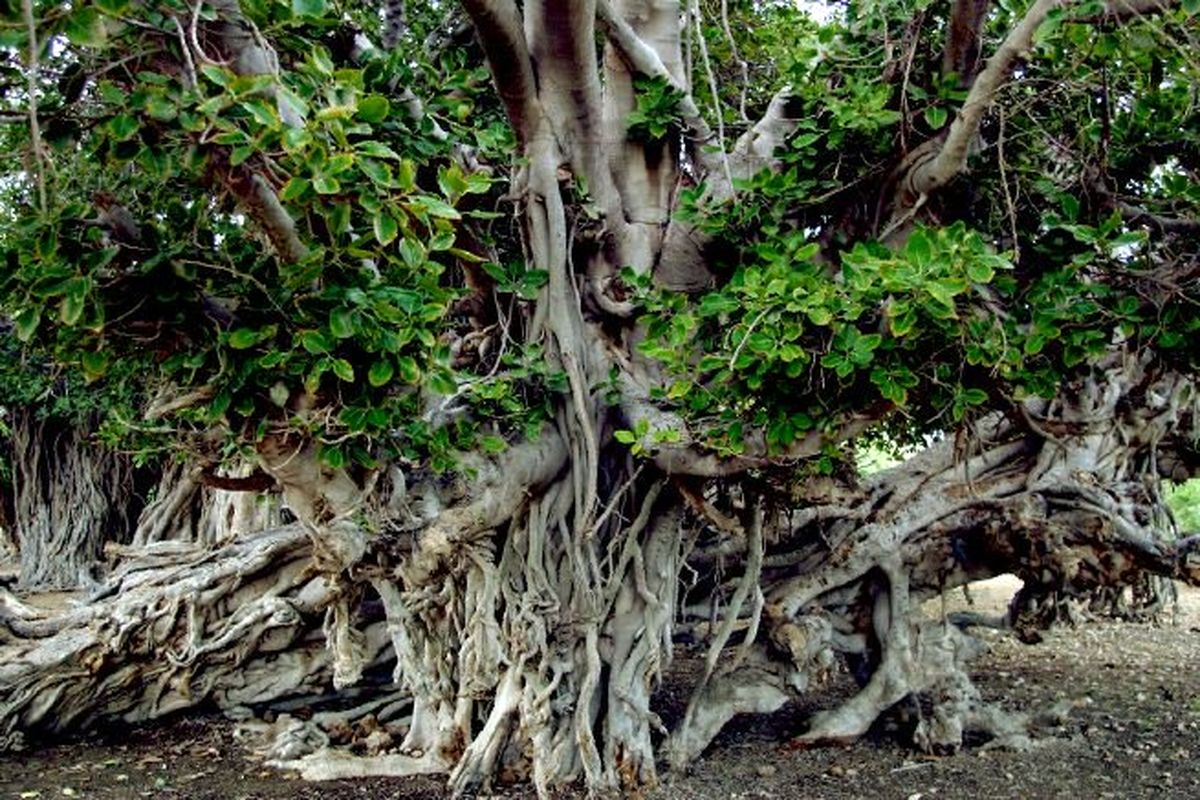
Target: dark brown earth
1133,731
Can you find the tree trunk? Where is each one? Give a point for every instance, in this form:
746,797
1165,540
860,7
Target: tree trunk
531,602
532,650
71,496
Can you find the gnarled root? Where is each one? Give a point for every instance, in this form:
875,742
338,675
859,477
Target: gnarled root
237,625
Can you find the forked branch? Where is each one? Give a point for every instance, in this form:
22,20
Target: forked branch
930,175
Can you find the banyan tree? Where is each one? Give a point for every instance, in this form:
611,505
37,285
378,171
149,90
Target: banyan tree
556,328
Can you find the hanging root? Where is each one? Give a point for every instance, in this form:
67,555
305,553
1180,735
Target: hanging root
530,633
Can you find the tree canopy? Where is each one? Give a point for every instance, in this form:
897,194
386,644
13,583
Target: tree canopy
558,326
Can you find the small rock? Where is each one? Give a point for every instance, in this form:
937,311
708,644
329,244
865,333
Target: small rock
766,770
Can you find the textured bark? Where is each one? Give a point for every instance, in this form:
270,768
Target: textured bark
172,628
71,496
531,650
531,602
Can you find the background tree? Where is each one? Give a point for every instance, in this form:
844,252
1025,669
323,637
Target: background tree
556,359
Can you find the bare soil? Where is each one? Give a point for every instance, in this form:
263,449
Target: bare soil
1133,731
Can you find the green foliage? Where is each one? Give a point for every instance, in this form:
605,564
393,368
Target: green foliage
340,344
1002,288
1184,500
658,109
814,320
791,346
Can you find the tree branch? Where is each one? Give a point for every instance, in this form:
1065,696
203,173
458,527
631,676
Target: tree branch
568,82
963,38
682,265
257,481
263,206
1136,215
1124,10
930,175
498,26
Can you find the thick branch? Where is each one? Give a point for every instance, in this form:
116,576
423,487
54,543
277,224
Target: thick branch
689,458
683,265
498,26
1136,215
963,38
257,481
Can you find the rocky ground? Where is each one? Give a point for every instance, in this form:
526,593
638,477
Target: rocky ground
1133,730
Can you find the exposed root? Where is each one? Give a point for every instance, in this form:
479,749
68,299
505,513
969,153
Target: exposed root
330,765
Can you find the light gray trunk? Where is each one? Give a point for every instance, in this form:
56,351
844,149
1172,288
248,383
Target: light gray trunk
71,497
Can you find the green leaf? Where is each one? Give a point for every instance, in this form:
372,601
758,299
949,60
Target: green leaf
332,457
279,394
296,139
436,207
218,75
74,293
918,250
85,27
261,111
294,189
160,108
309,8
945,290
820,316
412,253
386,228
624,437
1070,207
975,397
321,61
493,445
94,365
325,184
406,175
902,322
341,323
243,338
377,172
380,373
26,322
373,108
373,149
122,127
980,272
714,304
408,369
342,368
315,342
936,116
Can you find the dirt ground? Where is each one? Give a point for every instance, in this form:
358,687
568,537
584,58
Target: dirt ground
1133,732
